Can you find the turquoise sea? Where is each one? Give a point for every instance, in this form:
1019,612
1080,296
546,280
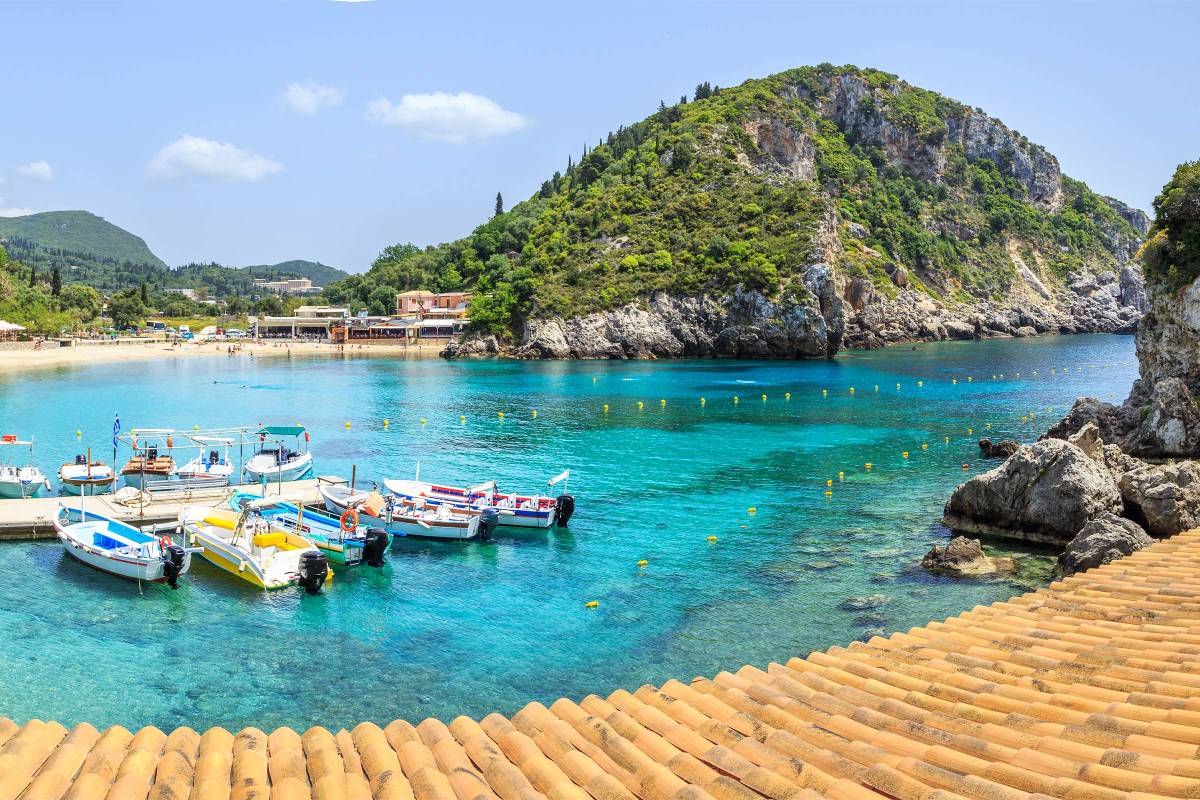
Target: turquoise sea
448,628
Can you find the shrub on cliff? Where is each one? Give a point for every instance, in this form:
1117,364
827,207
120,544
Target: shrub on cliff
1172,254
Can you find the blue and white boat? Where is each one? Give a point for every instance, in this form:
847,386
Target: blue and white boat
274,462
514,509
342,541
120,549
213,466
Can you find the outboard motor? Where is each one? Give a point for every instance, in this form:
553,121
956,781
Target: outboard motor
81,460
314,567
375,547
173,564
489,518
151,453
214,458
564,507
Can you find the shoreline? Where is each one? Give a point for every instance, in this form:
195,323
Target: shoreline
85,355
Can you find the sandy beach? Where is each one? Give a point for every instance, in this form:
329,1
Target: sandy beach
88,354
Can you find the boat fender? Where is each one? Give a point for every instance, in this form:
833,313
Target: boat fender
489,518
314,569
375,547
564,507
173,556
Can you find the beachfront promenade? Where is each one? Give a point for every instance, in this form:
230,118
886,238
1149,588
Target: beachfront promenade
1089,688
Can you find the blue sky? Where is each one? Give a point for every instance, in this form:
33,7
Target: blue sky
403,120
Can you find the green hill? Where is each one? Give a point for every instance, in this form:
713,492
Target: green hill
315,271
895,189
79,233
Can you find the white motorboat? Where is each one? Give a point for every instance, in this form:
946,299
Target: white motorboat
212,466
274,462
120,549
401,517
515,510
247,545
17,481
148,464
86,477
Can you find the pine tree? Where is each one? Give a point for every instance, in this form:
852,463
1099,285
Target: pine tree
32,276
499,205
56,281
703,91
145,293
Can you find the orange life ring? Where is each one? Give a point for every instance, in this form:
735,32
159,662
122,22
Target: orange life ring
349,520
165,542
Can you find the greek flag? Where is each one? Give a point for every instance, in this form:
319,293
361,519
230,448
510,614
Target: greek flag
116,428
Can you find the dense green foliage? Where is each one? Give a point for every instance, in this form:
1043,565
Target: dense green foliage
687,202
28,298
1172,254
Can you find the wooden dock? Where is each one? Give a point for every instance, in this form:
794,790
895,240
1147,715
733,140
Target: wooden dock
33,518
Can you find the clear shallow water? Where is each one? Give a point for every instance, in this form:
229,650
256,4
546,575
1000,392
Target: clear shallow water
450,628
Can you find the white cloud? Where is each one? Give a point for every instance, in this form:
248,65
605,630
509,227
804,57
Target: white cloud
447,117
193,155
309,98
36,170
13,211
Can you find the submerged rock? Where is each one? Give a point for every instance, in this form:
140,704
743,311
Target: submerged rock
1046,492
1101,541
1164,499
864,602
1001,449
963,557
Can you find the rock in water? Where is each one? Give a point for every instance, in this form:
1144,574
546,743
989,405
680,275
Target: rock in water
1046,492
1164,499
1001,449
963,557
1102,540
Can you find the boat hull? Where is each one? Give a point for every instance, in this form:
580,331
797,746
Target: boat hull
514,517
149,567
75,489
213,532
460,530
16,490
322,530
257,472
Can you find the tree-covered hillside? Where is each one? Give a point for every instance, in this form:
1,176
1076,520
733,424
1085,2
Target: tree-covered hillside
77,233
744,186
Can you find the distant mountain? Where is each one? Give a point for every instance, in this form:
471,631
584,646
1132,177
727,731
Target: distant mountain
315,271
77,233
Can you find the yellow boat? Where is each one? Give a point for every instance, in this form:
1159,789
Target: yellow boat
245,544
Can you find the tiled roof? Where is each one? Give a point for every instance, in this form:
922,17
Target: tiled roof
1086,690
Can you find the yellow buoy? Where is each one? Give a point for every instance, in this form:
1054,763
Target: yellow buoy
1017,375
867,465
702,401
969,379
993,376
500,414
905,454
824,393
606,408
828,493
851,390
946,439
423,419
841,476
347,423
79,433
387,422
920,383
593,379
535,413
712,538
970,431
829,482
897,387
954,380
787,395
592,604
764,397
641,404
642,562
736,399
462,417
662,402
751,509
924,446
877,388
988,425
1001,376
197,427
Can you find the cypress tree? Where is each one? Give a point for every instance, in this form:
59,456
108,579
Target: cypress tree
499,205
56,281
32,275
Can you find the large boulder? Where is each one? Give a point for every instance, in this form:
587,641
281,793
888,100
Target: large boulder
963,557
1001,449
1165,499
1046,492
1088,440
1101,541
1169,424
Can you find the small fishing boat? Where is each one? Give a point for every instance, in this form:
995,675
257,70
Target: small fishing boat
515,510
17,481
120,549
249,546
148,464
341,540
274,462
86,477
213,466
403,517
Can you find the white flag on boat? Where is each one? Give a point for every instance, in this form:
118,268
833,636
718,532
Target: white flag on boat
562,476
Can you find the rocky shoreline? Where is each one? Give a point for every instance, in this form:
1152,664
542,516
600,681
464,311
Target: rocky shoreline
828,319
